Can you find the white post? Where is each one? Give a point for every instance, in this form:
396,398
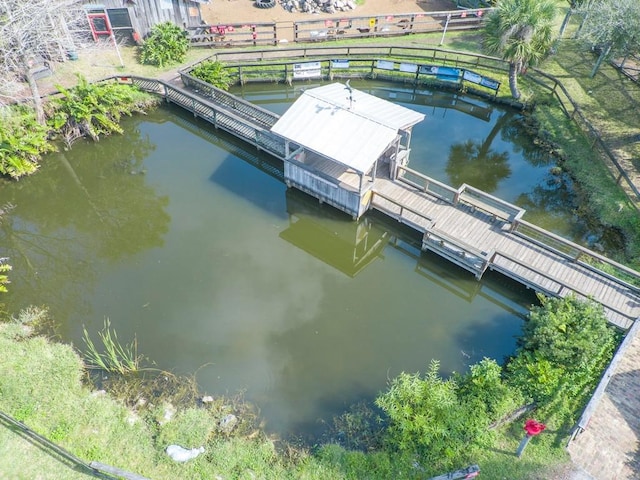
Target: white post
113,38
445,28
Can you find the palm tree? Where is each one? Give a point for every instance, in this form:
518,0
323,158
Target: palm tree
521,32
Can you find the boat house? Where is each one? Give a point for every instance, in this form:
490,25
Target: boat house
338,139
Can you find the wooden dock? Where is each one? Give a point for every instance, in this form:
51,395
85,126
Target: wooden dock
466,226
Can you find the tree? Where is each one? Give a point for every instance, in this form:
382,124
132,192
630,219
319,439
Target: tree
573,6
167,44
613,27
32,33
521,32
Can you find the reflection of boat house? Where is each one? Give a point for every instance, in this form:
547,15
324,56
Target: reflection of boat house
330,236
337,139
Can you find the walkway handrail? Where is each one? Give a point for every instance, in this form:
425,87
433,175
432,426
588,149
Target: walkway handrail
480,199
576,253
531,232
427,184
256,113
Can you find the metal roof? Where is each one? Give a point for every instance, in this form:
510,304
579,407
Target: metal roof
353,133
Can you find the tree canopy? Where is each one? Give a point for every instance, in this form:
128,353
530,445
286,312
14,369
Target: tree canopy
520,31
31,33
613,26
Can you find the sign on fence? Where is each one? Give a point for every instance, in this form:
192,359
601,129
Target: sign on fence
408,67
307,70
478,79
385,65
340,63
447,74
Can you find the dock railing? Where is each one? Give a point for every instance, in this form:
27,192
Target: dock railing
589,259
220,108
474,198
426,184
493,206
457,252
241,107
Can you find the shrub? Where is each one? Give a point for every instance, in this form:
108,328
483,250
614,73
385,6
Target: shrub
214,73
485,387
22,142
565,346
167,43
428,417
93,109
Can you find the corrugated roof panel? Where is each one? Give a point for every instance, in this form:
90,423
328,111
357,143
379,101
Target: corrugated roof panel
355,135
370,106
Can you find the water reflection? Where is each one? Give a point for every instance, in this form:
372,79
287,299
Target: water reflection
85,210
332,236
477,164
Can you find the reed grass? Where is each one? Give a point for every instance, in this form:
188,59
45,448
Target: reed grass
116,357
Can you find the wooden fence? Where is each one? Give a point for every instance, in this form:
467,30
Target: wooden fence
233,35
240,34
324,29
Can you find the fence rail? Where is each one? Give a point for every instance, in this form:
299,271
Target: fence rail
602,265
327,29
401,213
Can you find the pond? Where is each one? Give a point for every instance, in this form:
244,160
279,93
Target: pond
188,240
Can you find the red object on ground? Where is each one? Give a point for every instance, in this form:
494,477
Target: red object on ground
533,428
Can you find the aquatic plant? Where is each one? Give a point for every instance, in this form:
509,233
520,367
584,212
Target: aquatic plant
116,358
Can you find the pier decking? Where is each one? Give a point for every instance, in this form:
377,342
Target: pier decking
468,227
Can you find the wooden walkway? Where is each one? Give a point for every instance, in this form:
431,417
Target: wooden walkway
468,227
477,241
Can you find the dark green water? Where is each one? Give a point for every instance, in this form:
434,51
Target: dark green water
188,239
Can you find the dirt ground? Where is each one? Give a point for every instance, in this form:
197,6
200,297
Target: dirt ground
220,12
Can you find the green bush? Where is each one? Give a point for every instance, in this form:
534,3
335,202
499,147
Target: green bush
485,387
93,109
214,73
167,44
565,346
428,417
22,142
